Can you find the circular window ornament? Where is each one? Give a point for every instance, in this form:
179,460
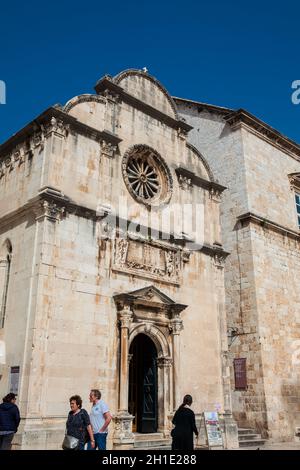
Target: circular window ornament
146,175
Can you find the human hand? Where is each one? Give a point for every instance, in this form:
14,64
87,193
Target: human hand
93,444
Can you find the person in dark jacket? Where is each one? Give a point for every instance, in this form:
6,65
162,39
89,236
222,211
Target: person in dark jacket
185,426
9,421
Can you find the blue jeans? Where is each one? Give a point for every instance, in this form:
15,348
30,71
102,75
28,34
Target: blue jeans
100,441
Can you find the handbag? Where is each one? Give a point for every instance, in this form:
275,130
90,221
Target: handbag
70,443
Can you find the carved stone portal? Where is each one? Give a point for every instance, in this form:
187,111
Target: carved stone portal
150,312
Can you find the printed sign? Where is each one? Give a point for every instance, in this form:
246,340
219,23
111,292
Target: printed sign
213,430
14,379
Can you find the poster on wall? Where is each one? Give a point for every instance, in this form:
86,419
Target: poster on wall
14,379
213,430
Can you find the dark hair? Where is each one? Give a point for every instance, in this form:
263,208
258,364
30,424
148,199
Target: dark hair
187,400
96,393
8,398
78,400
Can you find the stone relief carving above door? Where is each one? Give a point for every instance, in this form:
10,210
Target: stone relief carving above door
147,260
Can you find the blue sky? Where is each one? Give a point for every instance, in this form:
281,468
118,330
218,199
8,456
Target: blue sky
233,54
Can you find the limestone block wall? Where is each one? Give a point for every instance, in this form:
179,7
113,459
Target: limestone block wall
261,272
267,183
277,265
224,151
202,336
16,332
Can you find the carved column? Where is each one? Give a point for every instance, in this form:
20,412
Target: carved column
164,365
125,317
123,437
175,327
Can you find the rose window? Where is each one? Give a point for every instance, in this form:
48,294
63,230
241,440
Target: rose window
143,178
146,175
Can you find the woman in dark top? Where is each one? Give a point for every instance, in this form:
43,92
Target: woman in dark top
78,423
185,426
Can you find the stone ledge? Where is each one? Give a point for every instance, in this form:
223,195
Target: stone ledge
250,217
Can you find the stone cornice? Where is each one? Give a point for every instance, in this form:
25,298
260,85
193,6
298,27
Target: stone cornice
214,251
107,84
54,197
250,217
202,106
198,181
63,204
243,119
70,122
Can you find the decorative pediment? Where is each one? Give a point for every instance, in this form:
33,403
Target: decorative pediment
152,294
148,297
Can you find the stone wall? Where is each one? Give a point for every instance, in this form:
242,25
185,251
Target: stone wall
261,272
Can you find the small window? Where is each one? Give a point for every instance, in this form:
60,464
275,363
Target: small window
240,373
297,199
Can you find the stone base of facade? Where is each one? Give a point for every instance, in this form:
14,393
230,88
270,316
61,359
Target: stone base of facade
123,438
40,434
230,431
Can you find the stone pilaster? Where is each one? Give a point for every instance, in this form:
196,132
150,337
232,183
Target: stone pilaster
176,326
164,365
123,437
125,318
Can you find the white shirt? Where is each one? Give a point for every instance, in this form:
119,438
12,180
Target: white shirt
96,416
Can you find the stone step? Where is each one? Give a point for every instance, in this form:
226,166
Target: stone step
157,444
154,448
152,436
248,437
251,443
246,431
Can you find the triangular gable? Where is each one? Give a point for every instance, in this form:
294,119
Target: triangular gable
151,293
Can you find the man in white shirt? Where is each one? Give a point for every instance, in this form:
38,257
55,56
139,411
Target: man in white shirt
100,418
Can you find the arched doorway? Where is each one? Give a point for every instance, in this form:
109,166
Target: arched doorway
142,402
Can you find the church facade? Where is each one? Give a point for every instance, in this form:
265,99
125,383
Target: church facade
112,266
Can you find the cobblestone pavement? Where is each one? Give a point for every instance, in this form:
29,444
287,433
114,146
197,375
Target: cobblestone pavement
275,446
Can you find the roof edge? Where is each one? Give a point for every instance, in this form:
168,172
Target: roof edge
242,118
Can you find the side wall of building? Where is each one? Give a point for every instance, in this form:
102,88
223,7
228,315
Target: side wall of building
224,151
276,256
